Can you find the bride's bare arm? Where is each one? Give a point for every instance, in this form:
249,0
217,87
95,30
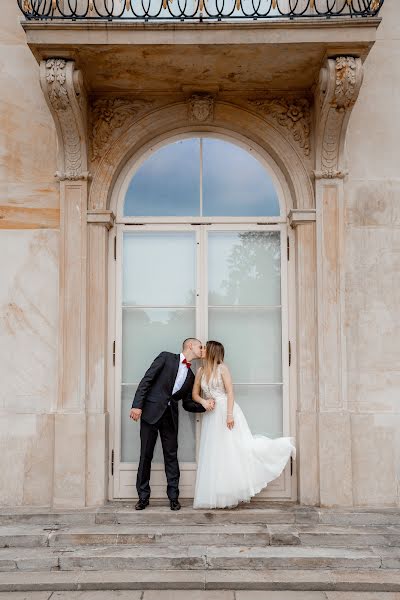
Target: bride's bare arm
208,404
227,379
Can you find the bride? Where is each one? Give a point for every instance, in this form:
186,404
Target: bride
233,464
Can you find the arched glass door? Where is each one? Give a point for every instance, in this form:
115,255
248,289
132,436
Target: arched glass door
201,263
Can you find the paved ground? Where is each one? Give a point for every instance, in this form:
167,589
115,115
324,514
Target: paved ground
197,595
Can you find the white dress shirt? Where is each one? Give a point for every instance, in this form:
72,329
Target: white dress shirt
181,375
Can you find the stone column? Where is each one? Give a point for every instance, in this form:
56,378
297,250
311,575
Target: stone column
99,224
303,221
63,89
337,91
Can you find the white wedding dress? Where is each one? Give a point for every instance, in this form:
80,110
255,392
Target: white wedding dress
233,464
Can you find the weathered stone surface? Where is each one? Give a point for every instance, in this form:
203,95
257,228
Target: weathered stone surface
280,595
283,535
134,557
348,537
390,557
290,558
97,580
347,580
360,517
185,595
158,515
25,595
98,595
362,596
176,535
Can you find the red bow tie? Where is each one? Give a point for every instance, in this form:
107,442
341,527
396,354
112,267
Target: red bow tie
185,362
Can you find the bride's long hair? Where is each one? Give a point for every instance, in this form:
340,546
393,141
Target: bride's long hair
215,353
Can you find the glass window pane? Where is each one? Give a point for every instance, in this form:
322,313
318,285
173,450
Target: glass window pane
147,332
262,406
252,341
159,268
130,433
167,183
235,183
244,268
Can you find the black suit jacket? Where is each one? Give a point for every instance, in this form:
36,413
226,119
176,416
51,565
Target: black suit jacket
155,390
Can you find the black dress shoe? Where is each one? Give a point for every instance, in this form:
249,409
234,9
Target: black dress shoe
175,505
141,504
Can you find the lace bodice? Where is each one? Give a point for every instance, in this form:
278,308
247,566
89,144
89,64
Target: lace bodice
215,387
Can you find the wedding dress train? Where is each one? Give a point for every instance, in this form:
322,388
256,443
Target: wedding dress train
234,465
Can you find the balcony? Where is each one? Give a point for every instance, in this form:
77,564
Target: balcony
174,46
199,10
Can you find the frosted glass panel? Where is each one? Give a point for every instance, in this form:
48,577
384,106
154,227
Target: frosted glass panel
244,268
159,268
235,183
130,438
146,332
262,406
252,340
167,183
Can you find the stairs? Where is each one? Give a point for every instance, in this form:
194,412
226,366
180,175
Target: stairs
257,546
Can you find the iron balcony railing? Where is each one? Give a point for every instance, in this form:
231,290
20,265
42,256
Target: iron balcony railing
183,10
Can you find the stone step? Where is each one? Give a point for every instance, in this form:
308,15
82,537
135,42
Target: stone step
103,558
345,580
155,515
245,514
205,535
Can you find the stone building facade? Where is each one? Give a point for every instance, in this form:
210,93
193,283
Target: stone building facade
318,101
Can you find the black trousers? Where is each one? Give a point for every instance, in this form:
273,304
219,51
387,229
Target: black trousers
169,441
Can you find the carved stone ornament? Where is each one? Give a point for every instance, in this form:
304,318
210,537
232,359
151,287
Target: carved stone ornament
64,92
108,115
201,107
293,114
338,88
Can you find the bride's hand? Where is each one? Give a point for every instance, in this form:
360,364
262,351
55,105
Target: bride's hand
230,423
208,405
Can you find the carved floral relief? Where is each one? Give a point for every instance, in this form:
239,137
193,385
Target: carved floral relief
293,114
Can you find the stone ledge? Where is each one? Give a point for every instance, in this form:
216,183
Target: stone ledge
296,580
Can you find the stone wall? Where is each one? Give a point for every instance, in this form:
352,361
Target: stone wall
29,240
372,271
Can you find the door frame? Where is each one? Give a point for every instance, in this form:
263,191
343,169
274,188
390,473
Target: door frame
285,487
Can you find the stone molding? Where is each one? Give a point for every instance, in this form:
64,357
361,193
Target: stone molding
292,114
337,91
64,91
101,217
201,108
108,116
229,119
300,216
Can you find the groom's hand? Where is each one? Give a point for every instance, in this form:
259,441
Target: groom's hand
135,414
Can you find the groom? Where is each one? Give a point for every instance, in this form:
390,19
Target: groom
168,379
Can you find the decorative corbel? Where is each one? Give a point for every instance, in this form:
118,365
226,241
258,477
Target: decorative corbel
337,91
64,91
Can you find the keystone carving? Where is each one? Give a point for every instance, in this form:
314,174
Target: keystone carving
201,107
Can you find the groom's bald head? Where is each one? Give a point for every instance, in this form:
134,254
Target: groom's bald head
188,343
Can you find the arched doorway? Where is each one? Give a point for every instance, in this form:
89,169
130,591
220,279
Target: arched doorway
202,250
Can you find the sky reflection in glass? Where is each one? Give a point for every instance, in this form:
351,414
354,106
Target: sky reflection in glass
234,182
167,184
